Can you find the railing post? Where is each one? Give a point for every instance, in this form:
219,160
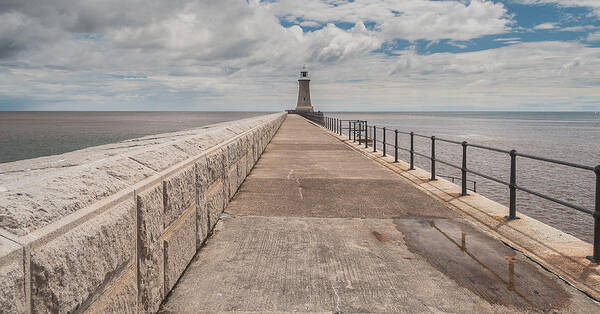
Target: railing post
384,145
354,131
412,151
596,257
512,213
366,135
374,138
340,126
464,170
396,146
349,130
359,131
432,158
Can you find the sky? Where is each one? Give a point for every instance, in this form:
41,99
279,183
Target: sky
369,55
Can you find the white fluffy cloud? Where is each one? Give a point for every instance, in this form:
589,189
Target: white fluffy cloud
230,54
407,19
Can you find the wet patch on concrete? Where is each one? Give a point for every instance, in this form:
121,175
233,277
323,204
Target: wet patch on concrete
484,265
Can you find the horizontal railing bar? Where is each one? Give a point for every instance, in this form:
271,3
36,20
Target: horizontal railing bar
423,136
550,198
488,177
455,178
554,161
448,164
448,141
422,155
489,148
564,163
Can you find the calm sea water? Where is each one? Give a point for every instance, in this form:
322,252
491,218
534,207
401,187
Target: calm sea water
25,135
568,136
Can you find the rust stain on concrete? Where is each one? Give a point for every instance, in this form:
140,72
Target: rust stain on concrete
379,236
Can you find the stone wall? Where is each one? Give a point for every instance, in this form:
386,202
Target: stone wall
111,228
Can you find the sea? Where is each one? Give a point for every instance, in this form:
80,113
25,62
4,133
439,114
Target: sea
567,136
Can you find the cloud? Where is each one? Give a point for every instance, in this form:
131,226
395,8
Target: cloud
593,37
229,54
593,5
545,26
412,20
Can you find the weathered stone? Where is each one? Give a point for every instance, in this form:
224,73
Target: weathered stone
150,251
12,287
201,221
180,247
122,298
43,190
232,182
215,203
160,158
180,191
215,165
242,171
125,169
233,152
249,162
69,272
29,205
202,185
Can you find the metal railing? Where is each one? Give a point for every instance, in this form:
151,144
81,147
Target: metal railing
356,129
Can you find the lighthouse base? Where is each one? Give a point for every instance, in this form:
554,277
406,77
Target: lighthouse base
308,114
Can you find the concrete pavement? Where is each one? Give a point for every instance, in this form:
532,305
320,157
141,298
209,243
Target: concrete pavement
319,227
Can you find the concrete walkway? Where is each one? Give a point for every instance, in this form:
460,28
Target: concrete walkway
319,227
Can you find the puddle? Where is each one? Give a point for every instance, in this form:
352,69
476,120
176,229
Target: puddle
482,264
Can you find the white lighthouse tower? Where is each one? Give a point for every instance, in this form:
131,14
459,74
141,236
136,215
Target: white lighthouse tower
304,104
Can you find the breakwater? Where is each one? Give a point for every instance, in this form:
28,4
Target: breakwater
112,227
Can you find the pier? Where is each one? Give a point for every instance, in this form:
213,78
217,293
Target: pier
318,226
275,213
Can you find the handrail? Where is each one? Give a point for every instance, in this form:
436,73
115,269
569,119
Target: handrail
361,129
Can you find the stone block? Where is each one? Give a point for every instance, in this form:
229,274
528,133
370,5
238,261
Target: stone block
150,248
215,202
38,201
249,162
69,272
121,297
202,185
242,171
202,222
179,191
234,152
232,182
161,157
12,285
215,165
180,247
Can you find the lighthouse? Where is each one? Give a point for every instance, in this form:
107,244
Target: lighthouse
304,104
